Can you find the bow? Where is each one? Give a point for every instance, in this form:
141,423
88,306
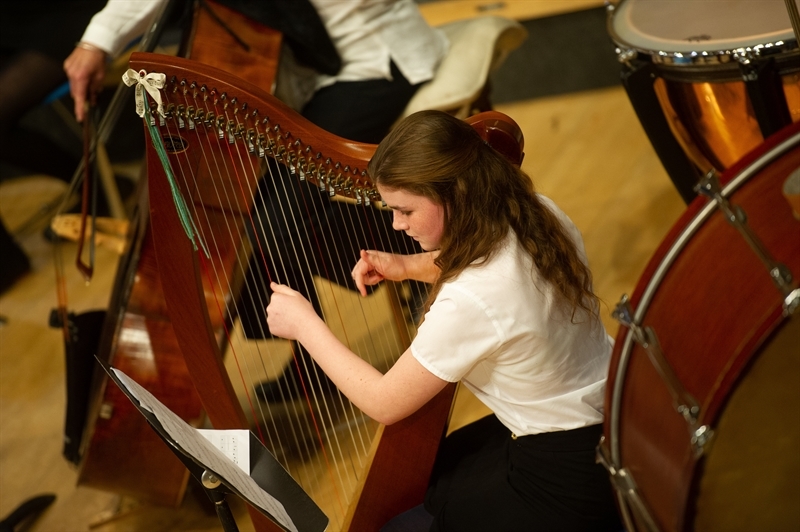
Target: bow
151,83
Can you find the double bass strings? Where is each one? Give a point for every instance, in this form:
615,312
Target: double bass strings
343,434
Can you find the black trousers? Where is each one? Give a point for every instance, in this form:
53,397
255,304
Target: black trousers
486,480
300,230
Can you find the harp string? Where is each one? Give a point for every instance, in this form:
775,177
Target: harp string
236,196
212,151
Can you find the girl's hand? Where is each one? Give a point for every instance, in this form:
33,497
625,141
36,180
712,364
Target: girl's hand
288,312
375,266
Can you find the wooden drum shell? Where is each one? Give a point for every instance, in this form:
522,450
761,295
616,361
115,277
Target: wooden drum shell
714,308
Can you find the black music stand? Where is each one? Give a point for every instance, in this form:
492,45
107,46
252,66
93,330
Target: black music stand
275,494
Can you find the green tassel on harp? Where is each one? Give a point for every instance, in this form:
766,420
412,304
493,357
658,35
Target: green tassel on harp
180,204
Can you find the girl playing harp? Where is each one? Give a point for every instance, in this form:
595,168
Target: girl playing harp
511,314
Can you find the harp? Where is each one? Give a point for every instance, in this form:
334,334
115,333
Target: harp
220,138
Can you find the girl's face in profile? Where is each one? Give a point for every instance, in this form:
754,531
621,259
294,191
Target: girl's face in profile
418,216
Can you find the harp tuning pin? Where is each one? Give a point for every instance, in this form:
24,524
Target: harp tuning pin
251,147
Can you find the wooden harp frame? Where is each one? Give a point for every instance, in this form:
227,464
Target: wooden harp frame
253,124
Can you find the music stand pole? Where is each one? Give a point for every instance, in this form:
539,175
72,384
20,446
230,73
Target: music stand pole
216,490
213,486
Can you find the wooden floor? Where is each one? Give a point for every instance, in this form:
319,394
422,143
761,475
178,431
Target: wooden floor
586,151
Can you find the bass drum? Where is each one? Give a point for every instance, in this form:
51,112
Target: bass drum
703,396
719,76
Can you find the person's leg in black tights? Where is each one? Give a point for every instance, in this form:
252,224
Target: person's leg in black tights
363,111
26,79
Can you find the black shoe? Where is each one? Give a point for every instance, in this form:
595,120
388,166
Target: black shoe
28,511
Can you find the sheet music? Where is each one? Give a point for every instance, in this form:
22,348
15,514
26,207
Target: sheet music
202,450
234,443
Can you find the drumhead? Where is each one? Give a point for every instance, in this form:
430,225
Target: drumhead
667,27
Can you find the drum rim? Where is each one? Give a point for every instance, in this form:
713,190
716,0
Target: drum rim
675,249
689,54
696,222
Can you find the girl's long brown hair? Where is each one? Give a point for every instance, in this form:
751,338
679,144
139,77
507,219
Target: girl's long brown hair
435,155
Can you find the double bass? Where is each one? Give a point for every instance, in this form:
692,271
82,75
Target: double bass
210,136
119,451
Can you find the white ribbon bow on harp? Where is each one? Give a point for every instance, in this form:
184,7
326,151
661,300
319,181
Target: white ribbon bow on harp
151,83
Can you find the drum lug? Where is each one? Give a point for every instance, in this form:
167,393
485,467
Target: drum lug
745,56
626,55
791,303
626,487
623,312
701,437
709,186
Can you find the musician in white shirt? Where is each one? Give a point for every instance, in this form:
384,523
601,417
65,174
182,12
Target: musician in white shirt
511,314
367,34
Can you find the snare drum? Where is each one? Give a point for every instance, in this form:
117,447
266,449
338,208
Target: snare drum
703,395
718,77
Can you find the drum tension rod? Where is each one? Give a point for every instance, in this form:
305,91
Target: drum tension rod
781,276
625,485
685,404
